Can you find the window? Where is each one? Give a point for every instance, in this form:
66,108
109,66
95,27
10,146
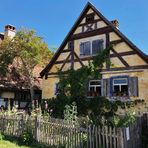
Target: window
97,46
90,18
91,47
85,48
120,87
94,88
24,96
2,103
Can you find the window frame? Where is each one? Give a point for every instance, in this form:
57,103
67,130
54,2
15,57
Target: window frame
120,84
100,40
91,46
94,86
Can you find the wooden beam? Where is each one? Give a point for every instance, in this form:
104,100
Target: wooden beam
127,53
46,75
107,45
126,68
89,27
65,61
65,50
115,69
72,54
120,57
116,42
99,31
52,73
78,59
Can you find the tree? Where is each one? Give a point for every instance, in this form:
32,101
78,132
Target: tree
25,51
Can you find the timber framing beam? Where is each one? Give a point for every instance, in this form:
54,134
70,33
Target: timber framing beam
78,59
120,57
127,53
52,73
65,62
126,68
65,50
107,45
72,54
116,42
113,69
92,33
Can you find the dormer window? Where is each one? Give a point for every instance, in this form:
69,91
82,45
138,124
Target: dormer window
89,18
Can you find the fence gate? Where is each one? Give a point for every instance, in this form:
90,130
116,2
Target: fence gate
132,135
104,137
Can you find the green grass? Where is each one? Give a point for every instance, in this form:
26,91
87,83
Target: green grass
16,142
8,144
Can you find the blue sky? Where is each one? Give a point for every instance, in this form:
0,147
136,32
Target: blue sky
52,19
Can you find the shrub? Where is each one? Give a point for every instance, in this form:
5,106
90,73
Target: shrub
124,121
1,136
27,137
70,113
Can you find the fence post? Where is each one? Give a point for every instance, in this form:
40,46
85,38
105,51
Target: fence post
3,124
120,140
37,128
21,126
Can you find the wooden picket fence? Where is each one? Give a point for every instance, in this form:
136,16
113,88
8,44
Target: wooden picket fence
59,133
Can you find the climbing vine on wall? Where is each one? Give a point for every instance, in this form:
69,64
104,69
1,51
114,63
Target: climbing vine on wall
73,85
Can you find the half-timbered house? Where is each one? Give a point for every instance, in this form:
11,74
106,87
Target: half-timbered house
127,76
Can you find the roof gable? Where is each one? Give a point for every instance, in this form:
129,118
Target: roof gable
89,8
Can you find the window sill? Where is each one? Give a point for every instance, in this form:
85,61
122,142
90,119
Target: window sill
91,97
122,99
85,56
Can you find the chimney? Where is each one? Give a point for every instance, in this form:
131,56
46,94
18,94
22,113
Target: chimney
10,31
115,23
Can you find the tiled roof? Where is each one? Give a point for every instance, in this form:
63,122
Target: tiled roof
15,82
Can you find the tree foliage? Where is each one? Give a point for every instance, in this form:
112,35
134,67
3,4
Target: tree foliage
25,51
6,55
